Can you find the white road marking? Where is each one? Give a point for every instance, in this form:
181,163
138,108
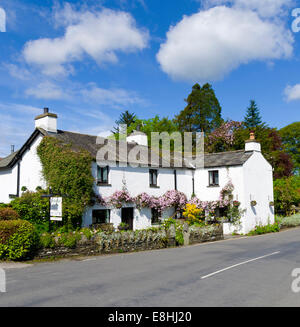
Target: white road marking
239,264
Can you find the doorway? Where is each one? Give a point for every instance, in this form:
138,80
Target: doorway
127,217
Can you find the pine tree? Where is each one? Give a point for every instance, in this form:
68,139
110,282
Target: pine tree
252,118
126,118
203,111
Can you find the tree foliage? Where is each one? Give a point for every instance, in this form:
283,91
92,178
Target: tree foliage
222,138
290,136
252,118
126,118
286,194
203,111
272,148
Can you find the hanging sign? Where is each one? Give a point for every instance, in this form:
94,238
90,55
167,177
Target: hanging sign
56,208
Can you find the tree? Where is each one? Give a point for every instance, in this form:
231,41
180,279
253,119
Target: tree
290,136
203,111
272,148
155,124
223,137
252,118
126,118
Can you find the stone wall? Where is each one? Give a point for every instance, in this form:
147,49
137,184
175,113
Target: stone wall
130,241
206,234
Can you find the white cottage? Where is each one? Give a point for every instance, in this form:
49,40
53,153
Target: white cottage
249,171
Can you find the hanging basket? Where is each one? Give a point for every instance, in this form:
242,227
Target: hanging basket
271,204
253,203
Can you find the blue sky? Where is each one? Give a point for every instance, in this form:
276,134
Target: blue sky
90,60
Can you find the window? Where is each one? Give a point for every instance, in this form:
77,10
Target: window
153,173
101,216
155,215
102,174
213,178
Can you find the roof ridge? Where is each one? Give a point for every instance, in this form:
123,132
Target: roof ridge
235,151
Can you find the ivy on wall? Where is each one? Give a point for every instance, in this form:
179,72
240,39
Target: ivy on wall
68,172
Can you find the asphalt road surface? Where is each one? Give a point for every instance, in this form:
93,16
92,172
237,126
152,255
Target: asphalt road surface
250,271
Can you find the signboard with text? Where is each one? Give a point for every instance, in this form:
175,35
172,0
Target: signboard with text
56,208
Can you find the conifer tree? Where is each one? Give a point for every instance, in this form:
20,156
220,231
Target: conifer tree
252,118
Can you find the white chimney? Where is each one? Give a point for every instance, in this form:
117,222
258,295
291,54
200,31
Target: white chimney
138,137
47,121
252,144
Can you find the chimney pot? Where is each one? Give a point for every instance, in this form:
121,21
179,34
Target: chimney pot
12,148
252,135
46,110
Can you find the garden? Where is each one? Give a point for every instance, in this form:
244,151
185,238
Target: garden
25,231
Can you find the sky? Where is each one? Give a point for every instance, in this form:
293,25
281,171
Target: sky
88,61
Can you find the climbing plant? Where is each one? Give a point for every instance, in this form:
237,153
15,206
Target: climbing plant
68,172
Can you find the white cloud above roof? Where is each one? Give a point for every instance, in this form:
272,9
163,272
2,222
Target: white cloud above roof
100,35
292,93
211,43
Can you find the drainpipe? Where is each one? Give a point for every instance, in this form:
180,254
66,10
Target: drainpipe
175,179
18,180
193,181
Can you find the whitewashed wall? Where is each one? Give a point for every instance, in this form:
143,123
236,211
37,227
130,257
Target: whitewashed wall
211,193
137,181
142,217
8,184
31,168
30,174
258,186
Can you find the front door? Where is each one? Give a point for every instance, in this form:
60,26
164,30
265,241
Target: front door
127,217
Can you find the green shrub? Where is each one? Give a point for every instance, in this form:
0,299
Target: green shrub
286,194
32,207
8,214
271,228
18,239
47,241
291,221
69,240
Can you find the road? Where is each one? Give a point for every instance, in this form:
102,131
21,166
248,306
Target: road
249,271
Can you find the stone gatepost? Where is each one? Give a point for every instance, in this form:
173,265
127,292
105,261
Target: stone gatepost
171,234
186,234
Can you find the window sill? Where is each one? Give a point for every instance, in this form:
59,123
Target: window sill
213,185
103,184
154,186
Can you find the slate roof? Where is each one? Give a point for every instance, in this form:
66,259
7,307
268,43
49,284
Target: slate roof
230,158
6,161
89,142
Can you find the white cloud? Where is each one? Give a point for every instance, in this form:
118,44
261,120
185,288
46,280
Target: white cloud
213,42
18,72
265,8
46,90
100,35
292,93
116,98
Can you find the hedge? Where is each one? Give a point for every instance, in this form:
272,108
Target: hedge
18,239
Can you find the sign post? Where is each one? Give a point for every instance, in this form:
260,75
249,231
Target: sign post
55,206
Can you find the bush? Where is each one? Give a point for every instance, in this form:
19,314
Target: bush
47,241
291,221
265,229
32,207
286,194
18,239
8,214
